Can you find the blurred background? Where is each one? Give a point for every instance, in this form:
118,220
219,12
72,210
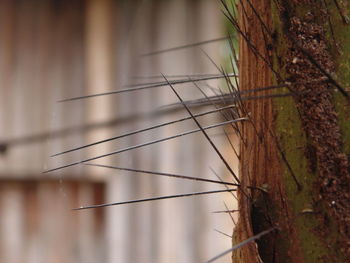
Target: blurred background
56,49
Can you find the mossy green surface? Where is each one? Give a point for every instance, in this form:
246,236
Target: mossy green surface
341,53
303,204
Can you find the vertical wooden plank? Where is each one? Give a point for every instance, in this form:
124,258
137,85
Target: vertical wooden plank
66,79
31,220
7,25
99,235
12,223
98,66
86,225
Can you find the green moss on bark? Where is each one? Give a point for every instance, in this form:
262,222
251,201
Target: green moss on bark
309,215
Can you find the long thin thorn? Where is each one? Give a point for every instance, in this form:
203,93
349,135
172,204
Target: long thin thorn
154,199
211,60
143,145
222,233
341,13
113,122
204,133
284,158
227,98
205,95
259,17
324,71
225,211
253,48
140,131
216,174
242,244
135,85
163,174
159,84
185,46
233,220
177,76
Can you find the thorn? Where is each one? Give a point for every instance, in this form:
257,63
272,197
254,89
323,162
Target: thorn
156,85
204,133
162,174
233,221
284,158
222,233
227,98
242,244
216,174
226,211
345,18
140,131
153,199
176,76
324,72
142,145
184,46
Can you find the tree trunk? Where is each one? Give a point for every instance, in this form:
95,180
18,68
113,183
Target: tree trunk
294,163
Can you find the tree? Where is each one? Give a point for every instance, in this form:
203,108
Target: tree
295,173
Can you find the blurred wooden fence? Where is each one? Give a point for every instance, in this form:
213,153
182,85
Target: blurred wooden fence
51,50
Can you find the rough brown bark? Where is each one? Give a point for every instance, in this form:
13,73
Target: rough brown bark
292,152
258,161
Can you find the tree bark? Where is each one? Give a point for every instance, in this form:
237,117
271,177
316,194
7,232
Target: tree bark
294,163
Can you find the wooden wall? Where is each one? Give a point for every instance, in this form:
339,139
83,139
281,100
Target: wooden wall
51,50
37,225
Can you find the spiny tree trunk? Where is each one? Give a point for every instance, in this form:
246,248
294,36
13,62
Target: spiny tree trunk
295,151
